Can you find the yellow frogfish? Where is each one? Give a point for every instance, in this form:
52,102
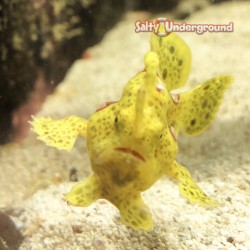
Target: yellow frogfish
132,142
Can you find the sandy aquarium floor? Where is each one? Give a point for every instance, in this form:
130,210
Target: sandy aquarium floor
34,177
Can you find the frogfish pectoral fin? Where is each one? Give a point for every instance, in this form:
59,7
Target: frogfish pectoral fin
197,108
62,133
188,187
135,213
85,193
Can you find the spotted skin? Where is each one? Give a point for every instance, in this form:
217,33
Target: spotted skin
197,108
175,59
60,133
187,186
86,192
132,142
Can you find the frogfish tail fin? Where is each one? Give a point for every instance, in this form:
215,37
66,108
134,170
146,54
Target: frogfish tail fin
175,59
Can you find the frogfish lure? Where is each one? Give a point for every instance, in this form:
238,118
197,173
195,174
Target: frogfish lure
133,142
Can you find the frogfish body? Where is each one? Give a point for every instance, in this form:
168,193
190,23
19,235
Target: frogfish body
132,143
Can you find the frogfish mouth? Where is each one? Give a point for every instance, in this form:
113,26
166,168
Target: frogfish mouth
130,151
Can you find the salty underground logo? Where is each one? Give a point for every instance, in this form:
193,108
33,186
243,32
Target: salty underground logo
163,26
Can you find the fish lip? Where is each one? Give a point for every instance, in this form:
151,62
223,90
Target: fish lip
131,151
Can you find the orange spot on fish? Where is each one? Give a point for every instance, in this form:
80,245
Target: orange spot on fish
105,105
